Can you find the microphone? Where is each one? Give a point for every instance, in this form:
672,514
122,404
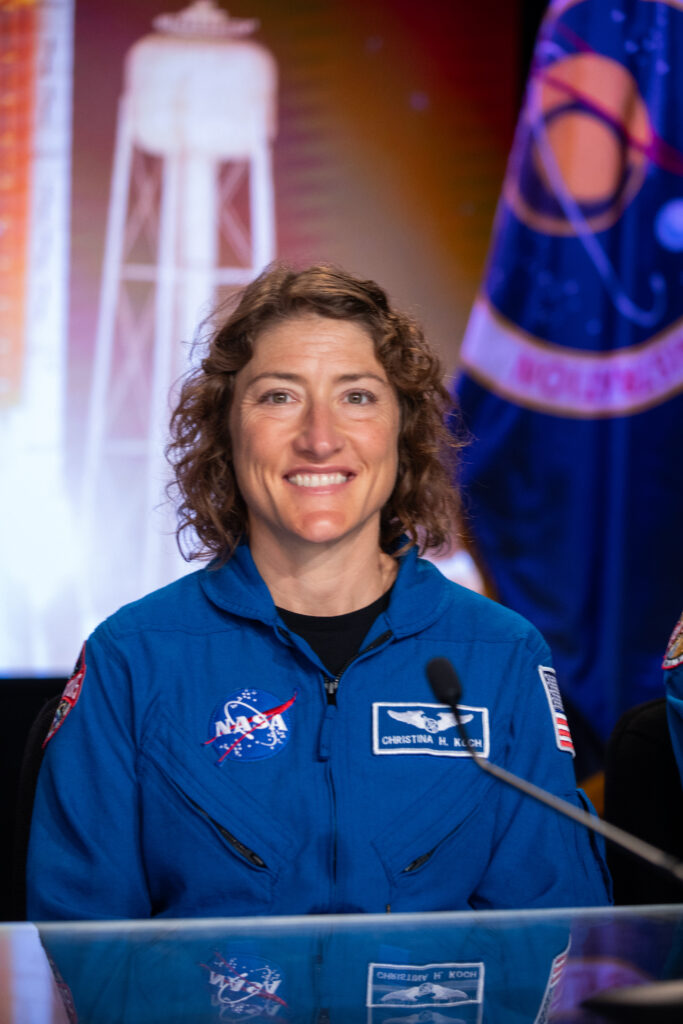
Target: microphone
661,1000
447,689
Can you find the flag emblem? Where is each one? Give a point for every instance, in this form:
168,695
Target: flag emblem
563,737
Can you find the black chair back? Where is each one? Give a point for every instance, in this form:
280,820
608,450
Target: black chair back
28,778
644,795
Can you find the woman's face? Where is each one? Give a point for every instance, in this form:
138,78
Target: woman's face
314,427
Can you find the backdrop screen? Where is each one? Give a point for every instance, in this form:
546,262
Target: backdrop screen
154,159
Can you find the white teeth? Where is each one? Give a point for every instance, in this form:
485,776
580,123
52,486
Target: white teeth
317,479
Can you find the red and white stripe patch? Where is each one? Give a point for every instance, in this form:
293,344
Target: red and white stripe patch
72,692
563,737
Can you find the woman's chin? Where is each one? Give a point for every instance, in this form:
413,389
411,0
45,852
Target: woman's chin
331,528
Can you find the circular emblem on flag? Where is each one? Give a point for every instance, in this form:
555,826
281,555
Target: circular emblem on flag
586,147
250,725
245,986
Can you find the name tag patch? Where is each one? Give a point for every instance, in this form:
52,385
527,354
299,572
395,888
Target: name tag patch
417,728
425,992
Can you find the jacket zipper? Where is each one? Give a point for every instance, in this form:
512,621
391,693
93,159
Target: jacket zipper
248,854
331,684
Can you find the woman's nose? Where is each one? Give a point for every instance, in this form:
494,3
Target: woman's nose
319,436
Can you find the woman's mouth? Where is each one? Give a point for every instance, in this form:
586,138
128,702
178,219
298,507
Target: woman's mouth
318,479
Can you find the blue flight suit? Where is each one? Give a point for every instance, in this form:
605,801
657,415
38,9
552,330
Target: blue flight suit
196,767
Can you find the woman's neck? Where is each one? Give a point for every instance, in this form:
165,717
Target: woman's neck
324,579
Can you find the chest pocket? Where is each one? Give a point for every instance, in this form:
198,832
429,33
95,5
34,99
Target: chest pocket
437,848
176,770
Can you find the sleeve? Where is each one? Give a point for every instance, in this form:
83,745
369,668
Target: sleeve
540,858
673,683
84,859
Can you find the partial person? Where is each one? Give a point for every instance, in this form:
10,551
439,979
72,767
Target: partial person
259,737
673,685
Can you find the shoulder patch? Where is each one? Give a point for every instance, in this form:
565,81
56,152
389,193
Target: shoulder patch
674,651
72,692
563,737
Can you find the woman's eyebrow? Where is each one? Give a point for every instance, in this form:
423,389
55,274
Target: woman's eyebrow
343,378
274,375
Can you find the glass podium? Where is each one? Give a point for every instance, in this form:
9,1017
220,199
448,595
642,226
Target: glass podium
500,967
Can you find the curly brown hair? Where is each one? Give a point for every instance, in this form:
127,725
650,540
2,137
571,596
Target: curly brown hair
423,504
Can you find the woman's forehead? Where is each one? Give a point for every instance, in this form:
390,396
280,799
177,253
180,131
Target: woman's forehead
309,339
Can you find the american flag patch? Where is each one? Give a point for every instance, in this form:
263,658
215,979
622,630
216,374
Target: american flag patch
563,737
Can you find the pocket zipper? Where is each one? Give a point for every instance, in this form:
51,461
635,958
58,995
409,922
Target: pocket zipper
248,854
417,863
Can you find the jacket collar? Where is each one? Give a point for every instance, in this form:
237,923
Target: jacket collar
418,598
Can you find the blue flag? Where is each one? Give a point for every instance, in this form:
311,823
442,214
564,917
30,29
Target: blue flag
573,356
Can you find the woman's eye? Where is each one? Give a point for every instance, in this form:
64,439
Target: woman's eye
276,398
360,397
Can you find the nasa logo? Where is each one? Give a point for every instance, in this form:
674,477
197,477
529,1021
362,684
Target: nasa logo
249,726
244,986
414,728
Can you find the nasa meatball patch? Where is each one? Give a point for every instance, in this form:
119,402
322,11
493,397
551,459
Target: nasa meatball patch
250,726
674,651
416,728
72,692
428,992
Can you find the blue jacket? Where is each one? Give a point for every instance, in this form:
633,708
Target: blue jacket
200,771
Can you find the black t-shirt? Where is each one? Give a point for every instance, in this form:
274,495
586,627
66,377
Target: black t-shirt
336,639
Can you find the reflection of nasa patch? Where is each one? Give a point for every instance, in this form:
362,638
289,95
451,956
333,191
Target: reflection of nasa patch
72,692
563,737
674,651
413,728
250,725
428,992
244,986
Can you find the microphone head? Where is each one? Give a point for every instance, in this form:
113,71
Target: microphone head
444,681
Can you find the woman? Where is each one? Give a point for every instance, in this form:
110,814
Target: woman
259,737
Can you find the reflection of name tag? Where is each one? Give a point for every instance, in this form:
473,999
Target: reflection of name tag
427,992
414,728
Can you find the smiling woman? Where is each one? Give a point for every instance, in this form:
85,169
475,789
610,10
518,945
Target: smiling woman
259,737
321,306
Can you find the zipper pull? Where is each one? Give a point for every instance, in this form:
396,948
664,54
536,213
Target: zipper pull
331,684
